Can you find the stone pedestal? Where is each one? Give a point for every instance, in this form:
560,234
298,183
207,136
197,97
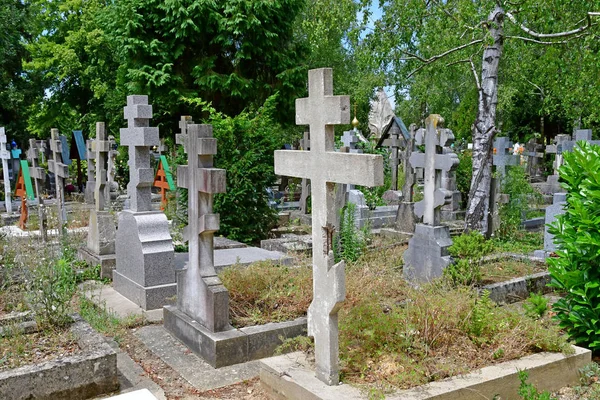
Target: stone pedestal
145,271
427,254
100,243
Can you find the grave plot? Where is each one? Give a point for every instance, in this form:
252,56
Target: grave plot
47,351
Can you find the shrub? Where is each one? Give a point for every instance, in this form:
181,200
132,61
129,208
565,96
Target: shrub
516,185
576,270
351,242
467,250
464,173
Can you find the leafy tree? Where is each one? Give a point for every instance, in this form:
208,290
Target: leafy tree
462,38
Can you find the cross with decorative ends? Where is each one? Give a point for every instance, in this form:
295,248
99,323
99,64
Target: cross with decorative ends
61,172
433,163
324,167
5,156
139,136
200,294
100,148
183,126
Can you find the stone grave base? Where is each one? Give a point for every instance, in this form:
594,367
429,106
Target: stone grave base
448,215
10,219
107,262
291,376
149,297
427,253
234,346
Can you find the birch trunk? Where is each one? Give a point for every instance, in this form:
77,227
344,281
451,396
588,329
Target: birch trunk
484,128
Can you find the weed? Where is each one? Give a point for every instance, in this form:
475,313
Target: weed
529,392
536,305
104,321
516,185
468,249
298,343
351,242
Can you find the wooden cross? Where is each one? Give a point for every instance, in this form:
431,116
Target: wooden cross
163,180
24,190
61,172
324,167
5,156
39,177
433,163
200,294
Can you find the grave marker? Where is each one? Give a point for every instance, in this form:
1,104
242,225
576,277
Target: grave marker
5,156
145,271
427,253
305,185
39,178
405,216
61,172
90,185
502,156
24,190
321,111
163,180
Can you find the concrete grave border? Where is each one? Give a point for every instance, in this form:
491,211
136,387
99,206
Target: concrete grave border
290,377
89,373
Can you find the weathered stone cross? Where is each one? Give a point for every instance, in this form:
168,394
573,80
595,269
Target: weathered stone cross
139,136
61,172
502,158
324,167
349,140
180,138
100,148
5,156
433,163
200,294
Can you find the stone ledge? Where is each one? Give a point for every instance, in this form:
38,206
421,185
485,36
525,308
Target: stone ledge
148,298
89,373
107,262
234,346
290,377
518,289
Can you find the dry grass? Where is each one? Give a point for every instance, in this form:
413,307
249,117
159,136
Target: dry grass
503,270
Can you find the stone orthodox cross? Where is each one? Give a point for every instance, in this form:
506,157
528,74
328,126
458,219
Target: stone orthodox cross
433,163
502,156
5,156
139,136
349,140
61,172
324,167
200,294
100,148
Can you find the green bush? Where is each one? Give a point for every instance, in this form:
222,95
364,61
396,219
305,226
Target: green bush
467,250
351,242
576,270
374,195
464,173
516,185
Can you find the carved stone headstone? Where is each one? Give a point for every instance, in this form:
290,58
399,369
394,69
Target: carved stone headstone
5,156
323,166
427,253
381,114
61,172
145,270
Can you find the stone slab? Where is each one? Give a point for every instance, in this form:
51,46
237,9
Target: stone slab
291,377
191,367
241,256
89,373
147,297
221,242
234,346
15,231
107,262
288,243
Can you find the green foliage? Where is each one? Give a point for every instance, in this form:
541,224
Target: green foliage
521,194
350,243
299,343
50,288
464,173
467,250
529,392
374,195
536,305
576,270
481,324
246,145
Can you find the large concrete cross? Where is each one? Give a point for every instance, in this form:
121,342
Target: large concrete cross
100,148
200,294
5,156
139,136
433,164
501,159
61,172
324,167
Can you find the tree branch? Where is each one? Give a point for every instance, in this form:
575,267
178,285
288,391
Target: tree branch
544,42
554,35
472,65
432,59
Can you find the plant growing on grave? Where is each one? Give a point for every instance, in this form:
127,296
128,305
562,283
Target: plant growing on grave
467,250
536,305
576,269
464,173
351,242
374,195
529,392
520,195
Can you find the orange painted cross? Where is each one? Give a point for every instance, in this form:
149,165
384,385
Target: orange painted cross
163,180
24,189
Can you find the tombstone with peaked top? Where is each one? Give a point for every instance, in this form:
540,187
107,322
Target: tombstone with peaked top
90,185
100,247
324,167
427,253
5,156
145,271
38,174
502,156
61,172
